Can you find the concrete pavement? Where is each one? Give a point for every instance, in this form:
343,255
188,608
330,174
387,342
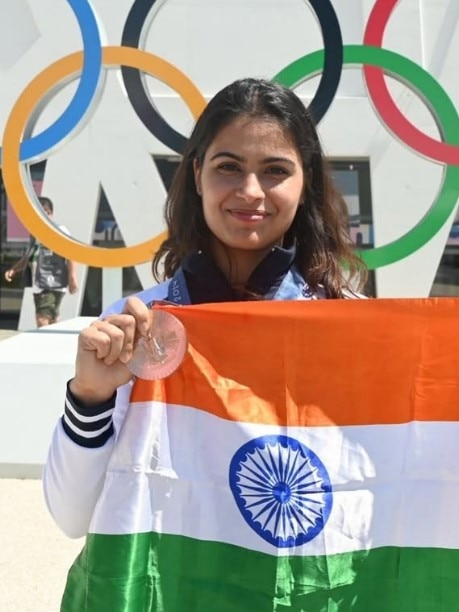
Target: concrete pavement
34,555
7,333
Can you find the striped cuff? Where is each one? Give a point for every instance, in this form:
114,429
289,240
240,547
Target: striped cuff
89,427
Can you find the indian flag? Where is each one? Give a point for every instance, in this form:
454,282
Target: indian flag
304,457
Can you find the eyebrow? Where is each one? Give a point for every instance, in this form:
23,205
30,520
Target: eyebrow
239,158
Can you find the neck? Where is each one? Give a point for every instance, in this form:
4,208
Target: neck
237,265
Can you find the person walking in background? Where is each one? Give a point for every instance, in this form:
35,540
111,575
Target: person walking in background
51,274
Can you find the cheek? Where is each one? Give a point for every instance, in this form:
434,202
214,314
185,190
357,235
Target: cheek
209,210
287,200
214,196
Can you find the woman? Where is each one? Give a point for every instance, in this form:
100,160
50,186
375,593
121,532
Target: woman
252,214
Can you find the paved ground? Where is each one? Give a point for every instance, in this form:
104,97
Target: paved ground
6,333
34,555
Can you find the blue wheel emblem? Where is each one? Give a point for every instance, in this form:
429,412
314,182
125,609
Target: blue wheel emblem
282,489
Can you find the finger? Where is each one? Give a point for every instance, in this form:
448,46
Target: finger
107,340
140,311
94,340
117,340
128,324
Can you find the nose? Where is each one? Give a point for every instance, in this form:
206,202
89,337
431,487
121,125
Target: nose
250,188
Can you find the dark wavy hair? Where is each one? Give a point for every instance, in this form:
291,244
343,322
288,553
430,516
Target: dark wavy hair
46,203
324,251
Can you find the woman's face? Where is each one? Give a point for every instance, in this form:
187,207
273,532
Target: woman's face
252,182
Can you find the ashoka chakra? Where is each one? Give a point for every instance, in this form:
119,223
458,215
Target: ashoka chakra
282,489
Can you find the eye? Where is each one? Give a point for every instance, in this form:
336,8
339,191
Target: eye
228,167
277,171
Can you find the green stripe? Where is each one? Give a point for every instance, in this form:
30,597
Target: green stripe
147,572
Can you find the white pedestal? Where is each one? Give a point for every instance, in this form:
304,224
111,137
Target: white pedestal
34,369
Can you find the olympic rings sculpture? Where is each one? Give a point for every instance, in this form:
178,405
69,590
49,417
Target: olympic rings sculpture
19,148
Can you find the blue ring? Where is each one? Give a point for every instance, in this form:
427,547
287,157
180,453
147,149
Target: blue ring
87,87
154,122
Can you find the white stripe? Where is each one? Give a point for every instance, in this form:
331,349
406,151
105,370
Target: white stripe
86,434
87,419
393,485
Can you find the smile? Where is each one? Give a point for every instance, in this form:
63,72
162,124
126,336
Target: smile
250,216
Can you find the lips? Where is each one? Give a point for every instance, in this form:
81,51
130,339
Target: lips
248,215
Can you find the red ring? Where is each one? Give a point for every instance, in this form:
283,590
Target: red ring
383,102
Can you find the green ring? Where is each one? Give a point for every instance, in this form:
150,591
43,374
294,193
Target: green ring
438,101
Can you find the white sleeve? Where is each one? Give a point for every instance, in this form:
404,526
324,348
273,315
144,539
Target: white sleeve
72,480
74,473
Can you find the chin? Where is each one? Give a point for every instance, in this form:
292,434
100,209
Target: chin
254,246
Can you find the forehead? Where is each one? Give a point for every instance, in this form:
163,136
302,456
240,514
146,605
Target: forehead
254,134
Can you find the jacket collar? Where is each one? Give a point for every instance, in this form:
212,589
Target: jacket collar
206,283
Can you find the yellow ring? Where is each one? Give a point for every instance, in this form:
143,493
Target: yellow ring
26,210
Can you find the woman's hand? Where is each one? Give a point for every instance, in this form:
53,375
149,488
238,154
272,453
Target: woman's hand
104,349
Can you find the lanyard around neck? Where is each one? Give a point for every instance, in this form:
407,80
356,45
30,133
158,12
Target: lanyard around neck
293,287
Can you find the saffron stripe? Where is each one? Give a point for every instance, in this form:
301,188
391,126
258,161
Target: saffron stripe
318,363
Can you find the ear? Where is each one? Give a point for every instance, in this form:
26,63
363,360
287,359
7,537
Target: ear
197,175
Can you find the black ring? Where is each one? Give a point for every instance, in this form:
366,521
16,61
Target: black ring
158,126
333,61
133,82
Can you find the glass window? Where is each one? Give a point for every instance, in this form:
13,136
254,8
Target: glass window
446,281
352,179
